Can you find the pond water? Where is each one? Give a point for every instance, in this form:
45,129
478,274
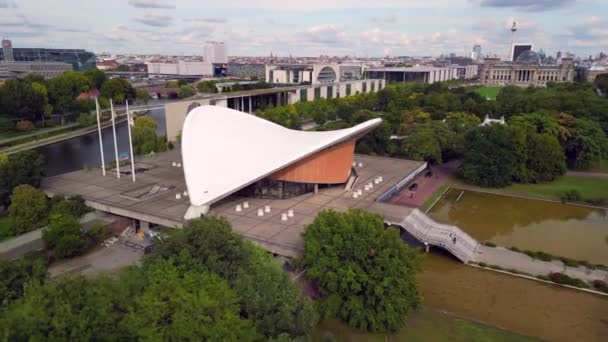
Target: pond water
549,312
571,231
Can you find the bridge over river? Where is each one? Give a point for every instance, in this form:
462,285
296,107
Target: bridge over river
468,250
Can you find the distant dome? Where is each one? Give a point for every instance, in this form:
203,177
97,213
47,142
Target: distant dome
528,57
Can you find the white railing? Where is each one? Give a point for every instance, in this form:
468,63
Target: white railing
454,240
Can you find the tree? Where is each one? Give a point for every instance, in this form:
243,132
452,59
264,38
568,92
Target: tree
14,274
489,157
96,76
187,305
18,99
142,95
65,88
117,89
25,167
64,236
145,139
366,275
185,91
271,300
545,158
586,145
42,92
73,206
422,145
28,208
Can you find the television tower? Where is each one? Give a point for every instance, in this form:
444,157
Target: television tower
513,30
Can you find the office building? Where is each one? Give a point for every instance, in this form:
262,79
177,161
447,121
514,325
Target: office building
79,59
423,74
44,69
253,71
215,52
180,68
527,70
476,52
518,49
312,73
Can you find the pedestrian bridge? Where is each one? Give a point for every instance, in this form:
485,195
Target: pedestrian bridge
432,233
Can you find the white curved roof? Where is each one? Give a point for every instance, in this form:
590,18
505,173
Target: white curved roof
224,150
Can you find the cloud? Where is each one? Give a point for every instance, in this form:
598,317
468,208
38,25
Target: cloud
526,5
214,20
327,34
8,4
155,20
588,33
151,4
391,18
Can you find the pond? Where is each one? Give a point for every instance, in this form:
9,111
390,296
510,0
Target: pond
571,231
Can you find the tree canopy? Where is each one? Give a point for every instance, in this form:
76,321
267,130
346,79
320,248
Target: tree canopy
366,275
145,139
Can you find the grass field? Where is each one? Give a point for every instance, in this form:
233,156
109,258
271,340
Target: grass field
426,325
487,92
589,188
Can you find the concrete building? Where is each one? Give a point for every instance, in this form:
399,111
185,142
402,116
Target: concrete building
591,72
180,68
44,69
250,100
476,52
312,73
255,71
215,52
527,70
267,181
423,74
79,59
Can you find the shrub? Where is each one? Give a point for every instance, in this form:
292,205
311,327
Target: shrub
28,208
99,232
85,119
73,206
561,278
64,236
600,285
572,195
24,126
170,145
6,124
515,249
483,264
569,262
543,256
597,201
489,244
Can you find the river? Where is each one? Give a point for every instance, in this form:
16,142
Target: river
78,153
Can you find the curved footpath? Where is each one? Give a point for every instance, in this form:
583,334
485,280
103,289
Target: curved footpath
468,250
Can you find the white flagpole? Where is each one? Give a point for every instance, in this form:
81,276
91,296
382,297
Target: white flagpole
130,141
103,162
115,143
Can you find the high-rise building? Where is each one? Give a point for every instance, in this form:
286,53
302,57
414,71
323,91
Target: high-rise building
78,58
215,52
519,48
476,52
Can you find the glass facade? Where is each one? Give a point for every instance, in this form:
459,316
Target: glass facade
276,189
79,59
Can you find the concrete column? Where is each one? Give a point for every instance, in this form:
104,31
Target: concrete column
242,103
316,189
250,106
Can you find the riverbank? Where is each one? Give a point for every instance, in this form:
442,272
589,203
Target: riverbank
427,324
65,136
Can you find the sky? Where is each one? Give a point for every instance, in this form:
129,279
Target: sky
366,28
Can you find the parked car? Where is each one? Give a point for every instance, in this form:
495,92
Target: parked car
413,187
428,174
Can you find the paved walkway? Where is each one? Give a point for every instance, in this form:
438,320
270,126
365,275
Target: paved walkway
467,249
597,175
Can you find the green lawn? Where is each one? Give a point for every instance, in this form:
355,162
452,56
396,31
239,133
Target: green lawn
590,188
429,202
487,92
5,229
426,325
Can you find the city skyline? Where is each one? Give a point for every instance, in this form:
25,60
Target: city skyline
358,27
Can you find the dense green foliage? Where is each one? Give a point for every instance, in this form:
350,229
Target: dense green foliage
267,296
20,168
366,275
14,274
28,209
185,91
145,139
200,283
564,121
117,89
64,236
207,86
